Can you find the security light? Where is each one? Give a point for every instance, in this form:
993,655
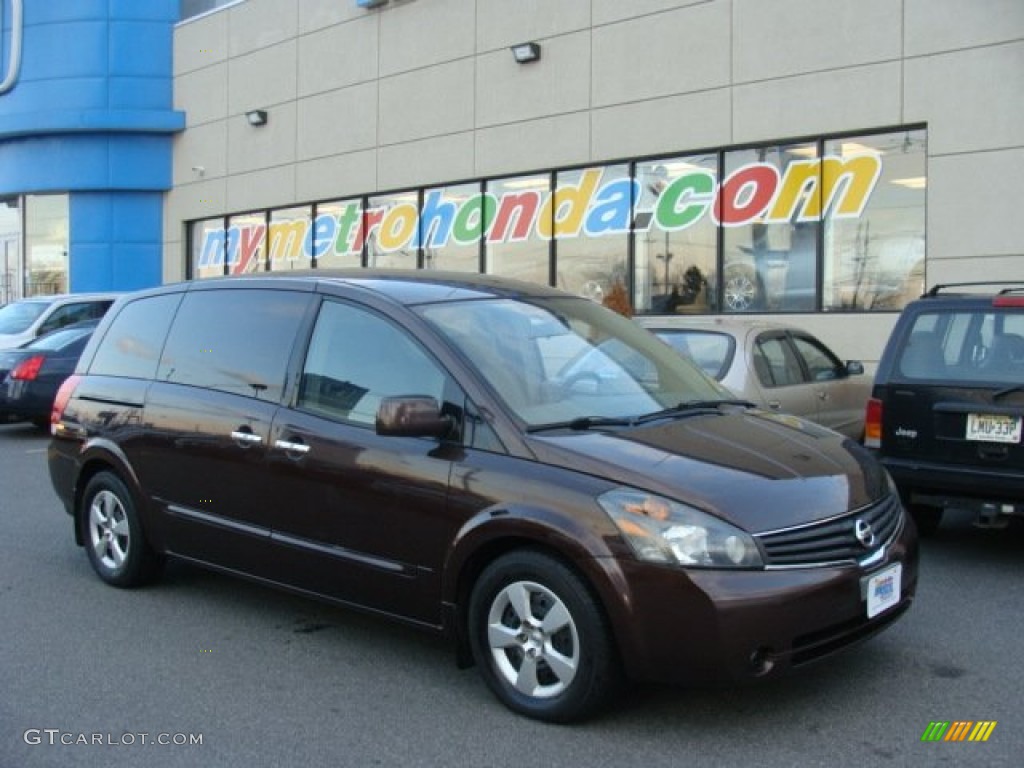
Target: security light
257,117
526,52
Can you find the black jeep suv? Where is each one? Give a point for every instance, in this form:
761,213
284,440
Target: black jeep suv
946,410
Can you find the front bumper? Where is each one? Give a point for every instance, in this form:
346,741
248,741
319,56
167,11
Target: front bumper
697,626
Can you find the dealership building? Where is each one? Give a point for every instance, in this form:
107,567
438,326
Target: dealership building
813,161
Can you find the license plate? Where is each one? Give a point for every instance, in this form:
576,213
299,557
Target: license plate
884,590
993,427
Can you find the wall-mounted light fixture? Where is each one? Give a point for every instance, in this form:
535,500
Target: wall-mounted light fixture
257,117
370,3
526,52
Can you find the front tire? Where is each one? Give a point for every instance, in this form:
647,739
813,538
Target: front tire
113,535
540,638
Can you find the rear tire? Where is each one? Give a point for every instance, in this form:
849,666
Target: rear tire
540,638
113,535
927,518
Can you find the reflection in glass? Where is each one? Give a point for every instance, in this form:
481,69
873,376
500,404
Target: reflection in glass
676,236
46,244
765,205
591,226
209,248
392,227
515,248
10,249
875,260
288,237
337,239
247,244
452,223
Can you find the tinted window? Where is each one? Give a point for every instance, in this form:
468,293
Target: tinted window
236,341
821,364
356,358
711,351
132,343
966,345
62,339
75,313
783,367
16,317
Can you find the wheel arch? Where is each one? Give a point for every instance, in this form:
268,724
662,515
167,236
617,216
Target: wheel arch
494,533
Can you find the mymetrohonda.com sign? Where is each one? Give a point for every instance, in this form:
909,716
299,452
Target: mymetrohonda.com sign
806,190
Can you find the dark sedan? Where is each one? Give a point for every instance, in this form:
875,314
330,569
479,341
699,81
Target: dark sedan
30,375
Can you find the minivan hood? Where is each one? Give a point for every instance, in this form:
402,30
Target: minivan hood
758,470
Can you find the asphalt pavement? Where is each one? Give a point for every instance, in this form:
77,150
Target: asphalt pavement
204,670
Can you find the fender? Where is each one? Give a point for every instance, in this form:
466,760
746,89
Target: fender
592,548
100,453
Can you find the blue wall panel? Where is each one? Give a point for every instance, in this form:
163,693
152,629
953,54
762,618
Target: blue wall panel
115,241
91,114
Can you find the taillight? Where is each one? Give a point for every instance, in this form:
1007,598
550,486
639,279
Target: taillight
60,402
1008,300
28,369
873,424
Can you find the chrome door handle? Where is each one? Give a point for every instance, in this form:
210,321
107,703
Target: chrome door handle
246,437
774,405
290,447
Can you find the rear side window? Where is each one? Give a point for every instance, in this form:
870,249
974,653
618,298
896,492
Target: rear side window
234,340
711,351
131,345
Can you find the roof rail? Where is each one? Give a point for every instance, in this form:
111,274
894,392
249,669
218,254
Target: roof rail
935,289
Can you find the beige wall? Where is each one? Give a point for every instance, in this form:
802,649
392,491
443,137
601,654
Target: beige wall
425,91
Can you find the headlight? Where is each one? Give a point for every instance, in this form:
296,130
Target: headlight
664,531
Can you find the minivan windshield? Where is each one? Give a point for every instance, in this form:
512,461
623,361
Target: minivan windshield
17,317
561,360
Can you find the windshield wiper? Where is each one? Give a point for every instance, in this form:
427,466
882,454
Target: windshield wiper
691,406
584,423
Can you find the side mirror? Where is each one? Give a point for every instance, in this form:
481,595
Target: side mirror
411,416
854,367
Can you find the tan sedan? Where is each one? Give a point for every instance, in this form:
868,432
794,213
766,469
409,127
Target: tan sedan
780,368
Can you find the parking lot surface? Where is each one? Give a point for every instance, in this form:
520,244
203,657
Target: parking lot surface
201,669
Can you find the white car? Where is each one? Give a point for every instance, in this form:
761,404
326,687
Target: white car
26,319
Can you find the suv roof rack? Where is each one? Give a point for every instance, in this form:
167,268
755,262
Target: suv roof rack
1019,286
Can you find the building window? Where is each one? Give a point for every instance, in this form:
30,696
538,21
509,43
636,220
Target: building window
591,230
676,238
451,227
770,229
46,244
10,249
874,242
834,224
514,245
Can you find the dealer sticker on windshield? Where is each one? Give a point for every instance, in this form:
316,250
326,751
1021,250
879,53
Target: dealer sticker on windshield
884,590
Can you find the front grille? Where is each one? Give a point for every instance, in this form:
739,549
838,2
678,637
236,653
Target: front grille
832,540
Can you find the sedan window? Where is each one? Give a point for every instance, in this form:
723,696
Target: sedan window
821,364
783,366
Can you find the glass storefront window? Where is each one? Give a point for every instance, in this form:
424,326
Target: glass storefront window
874,243
337,234
591,228
209,248
827,225
514,244
288,238
452,223
10,249
676,237
46,244
247,243
392,229
765,207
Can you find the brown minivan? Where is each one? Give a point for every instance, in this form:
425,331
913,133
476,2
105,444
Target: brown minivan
525,471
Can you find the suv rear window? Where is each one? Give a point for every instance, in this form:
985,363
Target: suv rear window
965,345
